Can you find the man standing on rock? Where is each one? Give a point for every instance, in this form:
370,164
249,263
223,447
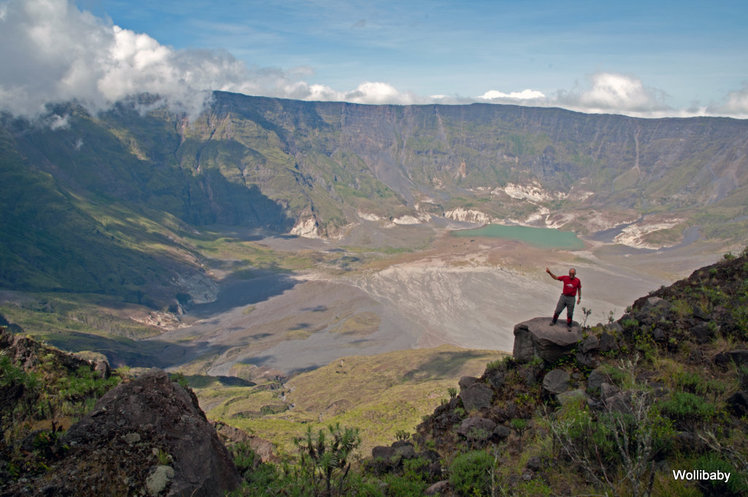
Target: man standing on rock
572,285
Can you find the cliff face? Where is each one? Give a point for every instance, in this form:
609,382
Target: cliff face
444,151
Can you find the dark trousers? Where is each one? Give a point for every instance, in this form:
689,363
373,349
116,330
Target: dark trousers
568,302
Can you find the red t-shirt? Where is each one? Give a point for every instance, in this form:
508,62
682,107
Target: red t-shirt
570,285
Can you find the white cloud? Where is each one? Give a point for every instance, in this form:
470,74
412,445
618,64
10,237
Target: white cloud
523,95
603,93
611,92
736,104
53,52
378,93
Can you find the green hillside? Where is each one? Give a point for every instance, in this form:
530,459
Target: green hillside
381,394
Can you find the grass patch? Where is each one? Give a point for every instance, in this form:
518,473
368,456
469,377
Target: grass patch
381,395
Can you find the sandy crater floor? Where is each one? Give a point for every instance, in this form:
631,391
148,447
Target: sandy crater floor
464,292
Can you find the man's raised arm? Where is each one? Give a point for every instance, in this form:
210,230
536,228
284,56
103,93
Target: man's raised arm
552,275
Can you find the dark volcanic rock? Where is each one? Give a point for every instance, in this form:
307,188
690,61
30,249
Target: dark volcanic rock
230,435
739,357
737,403
590,344
502,432
537,338
476,428
587,360
438,488
466,382
404,449
477,396
556,381
595,381
383,452
702,333
28,353
134,433
607,342
496,378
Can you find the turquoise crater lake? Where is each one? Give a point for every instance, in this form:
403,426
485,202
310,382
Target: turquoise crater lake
537,237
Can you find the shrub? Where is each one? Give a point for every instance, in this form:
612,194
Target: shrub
629,323
497,364
402,435
265,479
324,463
691,382
245,459
613,448
470,473
74,390
411,482
686,406
616,375
737,485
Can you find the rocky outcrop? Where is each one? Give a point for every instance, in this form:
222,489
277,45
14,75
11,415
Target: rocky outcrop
661,371
537,338
145,437
28,353
475,395
231,436
306,228
385,459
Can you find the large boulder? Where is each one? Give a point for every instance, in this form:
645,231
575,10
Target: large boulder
476,396
556,382
537,337
145,437
476,428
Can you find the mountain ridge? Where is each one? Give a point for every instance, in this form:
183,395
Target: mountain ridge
131,181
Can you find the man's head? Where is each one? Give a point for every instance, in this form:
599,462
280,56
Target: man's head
572,272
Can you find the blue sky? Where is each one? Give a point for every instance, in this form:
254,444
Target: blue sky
639,58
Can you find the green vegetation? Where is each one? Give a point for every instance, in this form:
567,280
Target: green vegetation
324,463
380,395
470,473
687,407
74,313
41,398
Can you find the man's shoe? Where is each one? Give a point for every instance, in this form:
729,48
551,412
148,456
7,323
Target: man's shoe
552,323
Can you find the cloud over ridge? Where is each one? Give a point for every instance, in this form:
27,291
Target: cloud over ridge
54,52
57,53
